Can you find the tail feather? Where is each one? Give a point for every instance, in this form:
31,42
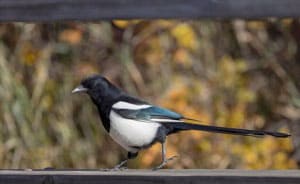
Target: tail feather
236,131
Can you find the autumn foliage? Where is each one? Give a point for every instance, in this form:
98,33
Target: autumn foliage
226,73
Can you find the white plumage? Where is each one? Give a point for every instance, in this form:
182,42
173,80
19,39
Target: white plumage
131,133
126,105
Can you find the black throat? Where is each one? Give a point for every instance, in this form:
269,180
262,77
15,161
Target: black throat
104,99
104,111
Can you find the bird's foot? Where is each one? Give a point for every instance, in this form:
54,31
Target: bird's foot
165,162
120,166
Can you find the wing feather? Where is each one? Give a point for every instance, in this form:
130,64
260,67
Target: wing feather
150,114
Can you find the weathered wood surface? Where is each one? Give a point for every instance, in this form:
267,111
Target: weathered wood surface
89,10
149,177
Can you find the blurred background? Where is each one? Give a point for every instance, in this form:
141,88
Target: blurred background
238,73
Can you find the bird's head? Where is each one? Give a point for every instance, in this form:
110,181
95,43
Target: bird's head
98,88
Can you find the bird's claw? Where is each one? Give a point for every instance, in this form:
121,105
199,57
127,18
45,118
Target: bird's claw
119,169
164,162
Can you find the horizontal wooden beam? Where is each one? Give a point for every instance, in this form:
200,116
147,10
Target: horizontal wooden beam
92,10
147,176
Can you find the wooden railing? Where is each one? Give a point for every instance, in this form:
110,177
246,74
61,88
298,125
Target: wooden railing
150,177
92,10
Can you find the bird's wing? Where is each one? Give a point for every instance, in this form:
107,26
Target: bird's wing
175,122
147,113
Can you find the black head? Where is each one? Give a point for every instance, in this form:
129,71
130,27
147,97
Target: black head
98,88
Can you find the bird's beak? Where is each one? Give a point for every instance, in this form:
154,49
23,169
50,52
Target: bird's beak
79,89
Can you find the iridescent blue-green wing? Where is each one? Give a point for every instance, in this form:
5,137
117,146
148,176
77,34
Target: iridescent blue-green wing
152,113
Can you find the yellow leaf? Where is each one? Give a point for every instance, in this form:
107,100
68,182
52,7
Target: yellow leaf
125,23
185,36
256,25
29,54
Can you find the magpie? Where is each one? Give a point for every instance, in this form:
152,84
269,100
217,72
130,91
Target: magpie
136,124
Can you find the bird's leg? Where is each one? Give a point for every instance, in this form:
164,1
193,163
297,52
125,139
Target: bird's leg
129,156
117,167
164,159
120,165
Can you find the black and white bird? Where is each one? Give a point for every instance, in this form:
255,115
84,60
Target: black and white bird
136,124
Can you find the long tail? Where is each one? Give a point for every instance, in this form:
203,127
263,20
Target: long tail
236,131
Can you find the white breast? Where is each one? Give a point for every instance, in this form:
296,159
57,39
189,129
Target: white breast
129,133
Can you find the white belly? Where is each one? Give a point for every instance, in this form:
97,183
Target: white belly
130,133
